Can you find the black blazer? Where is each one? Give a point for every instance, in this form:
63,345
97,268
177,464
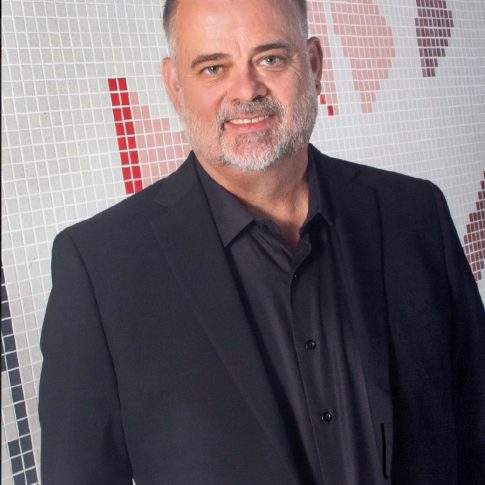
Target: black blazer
151,370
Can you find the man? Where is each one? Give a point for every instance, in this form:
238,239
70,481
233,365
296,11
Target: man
266,315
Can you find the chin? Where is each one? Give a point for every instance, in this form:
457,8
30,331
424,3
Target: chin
255,153
253,159
247,167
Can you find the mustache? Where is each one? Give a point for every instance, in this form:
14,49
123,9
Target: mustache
263,106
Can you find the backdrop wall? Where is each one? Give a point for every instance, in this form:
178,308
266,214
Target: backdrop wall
86,122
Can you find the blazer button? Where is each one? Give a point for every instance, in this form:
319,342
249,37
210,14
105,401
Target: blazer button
310,344
326,417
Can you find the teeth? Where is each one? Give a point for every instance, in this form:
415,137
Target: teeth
247,121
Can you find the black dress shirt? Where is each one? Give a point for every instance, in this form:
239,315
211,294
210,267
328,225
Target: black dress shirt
296,304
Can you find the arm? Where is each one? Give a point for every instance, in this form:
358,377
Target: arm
468,359
82,437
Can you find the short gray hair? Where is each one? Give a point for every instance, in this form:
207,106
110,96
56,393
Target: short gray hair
170,9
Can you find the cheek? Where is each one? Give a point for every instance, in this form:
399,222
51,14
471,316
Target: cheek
203,101
287,88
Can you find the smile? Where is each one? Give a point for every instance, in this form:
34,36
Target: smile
247,121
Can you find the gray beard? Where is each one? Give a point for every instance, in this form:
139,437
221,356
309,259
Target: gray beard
270,146
275,144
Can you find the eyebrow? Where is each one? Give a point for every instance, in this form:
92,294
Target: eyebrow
271,46
218,56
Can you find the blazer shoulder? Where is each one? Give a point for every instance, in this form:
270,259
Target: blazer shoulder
125,213
383,182
129,215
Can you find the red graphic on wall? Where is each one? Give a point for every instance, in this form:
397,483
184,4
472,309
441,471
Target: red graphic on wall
125,133
317,25
433,29
475,235
367,42
149,149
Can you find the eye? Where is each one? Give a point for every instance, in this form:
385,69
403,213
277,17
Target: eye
272,60
212,70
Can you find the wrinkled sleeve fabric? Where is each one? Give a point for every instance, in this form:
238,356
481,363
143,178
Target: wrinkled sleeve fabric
468,358
82,438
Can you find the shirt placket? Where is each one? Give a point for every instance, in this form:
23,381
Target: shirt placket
306,331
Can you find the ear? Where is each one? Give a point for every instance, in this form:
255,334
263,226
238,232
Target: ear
170,79
315,54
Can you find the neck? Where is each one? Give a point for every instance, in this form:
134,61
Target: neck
279,193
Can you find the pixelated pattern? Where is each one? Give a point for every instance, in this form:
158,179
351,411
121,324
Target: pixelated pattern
20,449
317,25
367,42
433,29
125,133
149,149
475,235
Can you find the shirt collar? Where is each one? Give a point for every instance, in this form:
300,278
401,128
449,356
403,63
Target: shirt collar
232,217
229,214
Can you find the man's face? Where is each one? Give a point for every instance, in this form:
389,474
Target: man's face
243,80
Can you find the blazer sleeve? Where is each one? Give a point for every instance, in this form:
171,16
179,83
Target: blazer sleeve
468,359
82,438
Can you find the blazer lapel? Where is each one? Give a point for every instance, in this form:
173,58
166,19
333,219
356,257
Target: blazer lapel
356,217
197,259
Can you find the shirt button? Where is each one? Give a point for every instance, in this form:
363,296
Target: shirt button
310,344
326,417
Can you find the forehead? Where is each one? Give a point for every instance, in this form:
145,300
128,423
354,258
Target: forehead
219,23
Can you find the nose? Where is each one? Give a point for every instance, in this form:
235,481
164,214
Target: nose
247,85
